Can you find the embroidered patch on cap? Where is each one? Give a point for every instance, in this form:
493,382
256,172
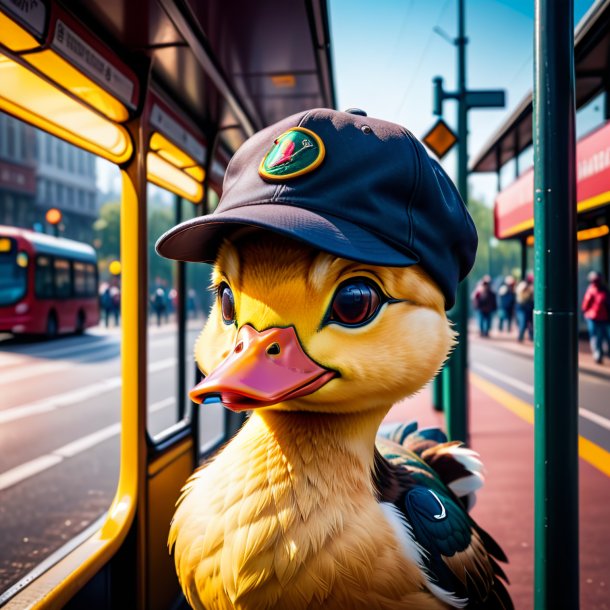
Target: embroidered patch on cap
294,153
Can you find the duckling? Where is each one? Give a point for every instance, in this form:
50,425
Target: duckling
334,266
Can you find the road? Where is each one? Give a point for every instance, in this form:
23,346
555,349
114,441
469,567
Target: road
59,433
60,427
515,373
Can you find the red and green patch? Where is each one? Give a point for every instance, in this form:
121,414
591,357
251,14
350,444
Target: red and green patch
294,153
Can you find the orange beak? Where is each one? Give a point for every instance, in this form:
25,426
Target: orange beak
263,369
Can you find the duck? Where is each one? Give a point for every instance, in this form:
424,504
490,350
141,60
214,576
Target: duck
319,325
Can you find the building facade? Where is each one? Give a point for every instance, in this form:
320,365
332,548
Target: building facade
39,172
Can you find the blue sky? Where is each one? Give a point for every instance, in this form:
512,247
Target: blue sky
385,55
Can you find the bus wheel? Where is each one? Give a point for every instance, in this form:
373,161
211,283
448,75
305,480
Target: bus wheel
51,331
79,329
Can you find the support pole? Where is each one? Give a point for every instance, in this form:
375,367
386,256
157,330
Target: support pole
181,321
555,319
455,381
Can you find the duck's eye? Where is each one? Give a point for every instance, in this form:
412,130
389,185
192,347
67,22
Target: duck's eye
354,303
227,303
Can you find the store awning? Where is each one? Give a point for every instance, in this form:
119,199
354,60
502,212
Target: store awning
514,206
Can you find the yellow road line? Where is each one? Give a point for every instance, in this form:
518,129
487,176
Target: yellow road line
588,451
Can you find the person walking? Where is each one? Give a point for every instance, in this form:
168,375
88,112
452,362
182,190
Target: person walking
484,302
506,303
524,308
595,305
159,305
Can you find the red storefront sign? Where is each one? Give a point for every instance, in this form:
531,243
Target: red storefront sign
17,178
514,206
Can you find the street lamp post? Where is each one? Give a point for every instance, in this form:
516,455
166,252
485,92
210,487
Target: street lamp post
454,375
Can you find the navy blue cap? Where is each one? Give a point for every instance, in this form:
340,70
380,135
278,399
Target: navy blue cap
374,196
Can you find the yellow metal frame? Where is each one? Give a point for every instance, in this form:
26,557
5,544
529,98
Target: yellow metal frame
168,176
29,84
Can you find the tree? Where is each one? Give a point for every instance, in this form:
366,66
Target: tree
505,255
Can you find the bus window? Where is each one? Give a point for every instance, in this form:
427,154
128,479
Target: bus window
80,285
43,278
13,272
63,278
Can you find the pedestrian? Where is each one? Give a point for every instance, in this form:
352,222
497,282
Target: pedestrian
115,304
506,303
484,302
595,305
106,303
159,304
524,307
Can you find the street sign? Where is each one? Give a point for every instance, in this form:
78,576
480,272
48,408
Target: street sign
440,139
489,98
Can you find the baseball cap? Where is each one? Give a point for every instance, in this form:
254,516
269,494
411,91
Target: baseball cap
351,185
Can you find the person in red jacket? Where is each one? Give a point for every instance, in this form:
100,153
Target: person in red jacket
595,306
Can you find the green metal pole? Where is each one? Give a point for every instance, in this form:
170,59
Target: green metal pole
455,381
437,392
555,319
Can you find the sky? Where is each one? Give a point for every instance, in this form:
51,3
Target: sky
386,53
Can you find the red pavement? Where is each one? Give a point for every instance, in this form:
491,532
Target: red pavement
505,505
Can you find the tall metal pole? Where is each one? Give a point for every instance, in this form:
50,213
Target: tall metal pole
555,319
455,381
181,320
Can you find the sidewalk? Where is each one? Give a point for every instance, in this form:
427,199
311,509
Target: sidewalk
502,432
508,341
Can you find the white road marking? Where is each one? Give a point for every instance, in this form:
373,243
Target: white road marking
516,383
66,399
161,404
44,462
27,470
596,418
29,366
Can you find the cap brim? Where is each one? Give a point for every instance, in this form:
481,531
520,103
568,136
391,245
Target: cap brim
198,239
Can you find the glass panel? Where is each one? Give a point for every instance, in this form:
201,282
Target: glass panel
61,402
590,258
198,303
163,410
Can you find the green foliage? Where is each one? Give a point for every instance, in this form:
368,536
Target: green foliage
505,255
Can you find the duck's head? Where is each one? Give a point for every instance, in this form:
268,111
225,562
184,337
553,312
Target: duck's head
299,329
338,244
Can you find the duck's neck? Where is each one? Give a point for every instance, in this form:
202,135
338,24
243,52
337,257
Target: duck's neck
320,443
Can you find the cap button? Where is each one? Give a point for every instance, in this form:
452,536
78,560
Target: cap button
357,111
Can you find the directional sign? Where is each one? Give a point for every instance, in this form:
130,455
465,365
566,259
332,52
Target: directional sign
494,98
440,139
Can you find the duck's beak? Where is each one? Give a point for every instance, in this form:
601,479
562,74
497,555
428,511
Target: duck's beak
263,369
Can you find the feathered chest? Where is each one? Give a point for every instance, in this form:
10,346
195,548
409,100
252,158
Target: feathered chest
273,524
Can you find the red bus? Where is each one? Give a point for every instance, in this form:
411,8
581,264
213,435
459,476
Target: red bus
48,285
